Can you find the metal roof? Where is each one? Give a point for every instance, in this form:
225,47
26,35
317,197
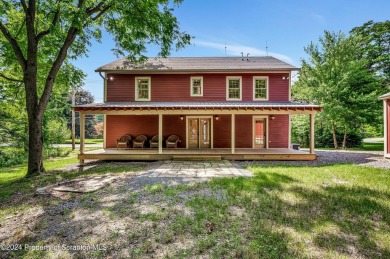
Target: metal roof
178,64
191,105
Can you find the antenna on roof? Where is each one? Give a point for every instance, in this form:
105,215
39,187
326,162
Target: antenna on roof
247,56
225,47
266,47
242,55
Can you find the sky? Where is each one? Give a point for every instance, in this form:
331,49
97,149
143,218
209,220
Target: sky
249,26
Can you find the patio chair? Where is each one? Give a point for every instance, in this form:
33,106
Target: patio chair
172,140
123,142
154,141
139,141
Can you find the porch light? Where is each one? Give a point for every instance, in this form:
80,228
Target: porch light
111,78
272,117
181,117
216,117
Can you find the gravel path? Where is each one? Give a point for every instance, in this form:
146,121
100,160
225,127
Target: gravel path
326,157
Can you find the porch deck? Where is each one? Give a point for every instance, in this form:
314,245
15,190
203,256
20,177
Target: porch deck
198,154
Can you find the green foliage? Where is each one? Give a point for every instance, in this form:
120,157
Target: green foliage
12,156
39,38
374,41
336,78
56,132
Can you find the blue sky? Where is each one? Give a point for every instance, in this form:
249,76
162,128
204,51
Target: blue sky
245,26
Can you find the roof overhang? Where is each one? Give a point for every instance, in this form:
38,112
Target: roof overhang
384,97
194,71
199,106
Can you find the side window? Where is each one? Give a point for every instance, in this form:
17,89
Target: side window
233,88
197,86
260,88
142,88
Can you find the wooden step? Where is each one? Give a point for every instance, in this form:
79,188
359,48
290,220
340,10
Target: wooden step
196,158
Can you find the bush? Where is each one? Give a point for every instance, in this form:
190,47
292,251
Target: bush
12,156
325,140
56,132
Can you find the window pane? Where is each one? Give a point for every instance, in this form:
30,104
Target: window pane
196,86
234,89
260,89
143,89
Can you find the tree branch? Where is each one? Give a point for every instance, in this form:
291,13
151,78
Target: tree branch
105,9
71,36
10,78
15,46
54,22
23,3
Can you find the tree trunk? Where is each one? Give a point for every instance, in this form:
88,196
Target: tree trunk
336,146
35,146
345,139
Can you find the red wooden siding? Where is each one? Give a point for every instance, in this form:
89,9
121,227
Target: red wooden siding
278,132
388,125
119,125
172,125
176,87
222,132
244,131
120,88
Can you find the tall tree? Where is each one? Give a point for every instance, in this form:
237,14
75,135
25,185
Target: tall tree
374,46
55,31
335,78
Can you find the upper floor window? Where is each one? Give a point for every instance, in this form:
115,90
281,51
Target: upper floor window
142,88
197,86
260,88
233,88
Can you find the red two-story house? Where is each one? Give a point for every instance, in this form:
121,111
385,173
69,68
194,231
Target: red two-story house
220,108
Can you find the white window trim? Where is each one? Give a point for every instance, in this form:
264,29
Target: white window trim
266,86
201,85
136,88
227,88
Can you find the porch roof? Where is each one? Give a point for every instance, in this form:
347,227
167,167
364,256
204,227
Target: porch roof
110,106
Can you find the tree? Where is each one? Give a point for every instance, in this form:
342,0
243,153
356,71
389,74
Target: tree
374,46
56,31
337,79
83,97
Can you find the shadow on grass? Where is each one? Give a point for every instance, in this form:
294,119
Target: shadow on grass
270,215
343,220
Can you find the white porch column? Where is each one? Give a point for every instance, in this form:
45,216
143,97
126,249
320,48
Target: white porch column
82,135
160,132
233,131
312,117
82,132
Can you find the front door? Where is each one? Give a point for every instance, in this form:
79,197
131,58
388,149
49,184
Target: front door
199,132
259,133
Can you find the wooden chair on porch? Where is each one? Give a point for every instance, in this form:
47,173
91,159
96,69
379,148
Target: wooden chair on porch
154,141
139,141
123,142
172,140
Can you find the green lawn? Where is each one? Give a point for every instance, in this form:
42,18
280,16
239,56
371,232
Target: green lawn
87,141
333,211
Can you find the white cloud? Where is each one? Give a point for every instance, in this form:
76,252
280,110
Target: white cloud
235,50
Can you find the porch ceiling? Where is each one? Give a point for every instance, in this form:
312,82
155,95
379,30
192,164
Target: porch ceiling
191,106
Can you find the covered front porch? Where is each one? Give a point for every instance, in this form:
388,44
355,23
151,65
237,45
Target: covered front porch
231,130
198,154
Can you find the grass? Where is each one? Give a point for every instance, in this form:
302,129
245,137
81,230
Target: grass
376,146
332,211
87,141
12,179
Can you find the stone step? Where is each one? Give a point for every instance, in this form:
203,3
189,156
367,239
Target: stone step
196,158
